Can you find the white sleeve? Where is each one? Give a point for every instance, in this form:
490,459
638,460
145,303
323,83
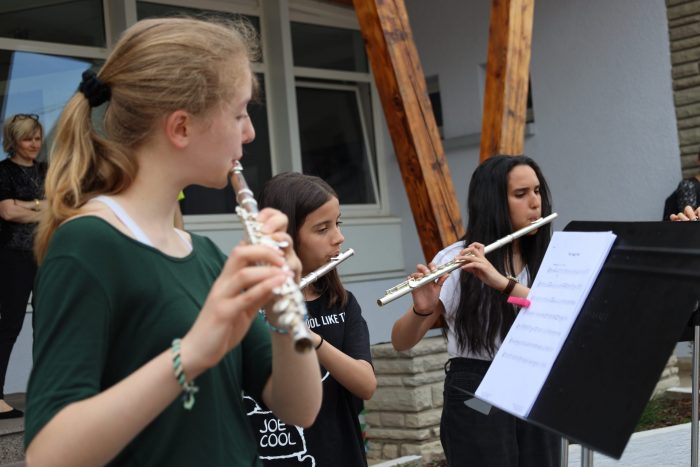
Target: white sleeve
449,293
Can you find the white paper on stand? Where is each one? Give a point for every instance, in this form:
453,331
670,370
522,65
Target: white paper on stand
523,362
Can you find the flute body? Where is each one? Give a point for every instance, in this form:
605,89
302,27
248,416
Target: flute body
407,286
325,269
289,304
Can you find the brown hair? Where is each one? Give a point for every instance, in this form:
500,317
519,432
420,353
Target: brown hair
298,195
157,67
18,127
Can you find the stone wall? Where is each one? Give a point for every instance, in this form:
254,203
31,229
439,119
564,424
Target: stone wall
669,377
684,34
403,417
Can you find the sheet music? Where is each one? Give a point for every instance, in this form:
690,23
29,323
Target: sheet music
521,366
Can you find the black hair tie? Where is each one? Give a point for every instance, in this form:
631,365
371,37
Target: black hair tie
94,89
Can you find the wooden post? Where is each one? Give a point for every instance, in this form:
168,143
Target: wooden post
402,89
507,78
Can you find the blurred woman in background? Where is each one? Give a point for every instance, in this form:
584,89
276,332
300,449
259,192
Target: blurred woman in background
21,202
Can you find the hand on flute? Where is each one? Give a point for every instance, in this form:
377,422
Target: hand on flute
425,298
473,259
271,222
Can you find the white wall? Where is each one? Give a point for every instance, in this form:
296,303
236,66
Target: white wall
605,121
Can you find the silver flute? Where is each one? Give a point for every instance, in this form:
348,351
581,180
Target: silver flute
312,277
407,286
289,304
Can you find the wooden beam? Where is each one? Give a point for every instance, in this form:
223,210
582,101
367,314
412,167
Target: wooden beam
402,89
507,78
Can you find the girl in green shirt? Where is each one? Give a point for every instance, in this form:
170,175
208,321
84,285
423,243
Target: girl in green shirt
118,286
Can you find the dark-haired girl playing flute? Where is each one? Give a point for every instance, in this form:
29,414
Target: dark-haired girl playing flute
505,194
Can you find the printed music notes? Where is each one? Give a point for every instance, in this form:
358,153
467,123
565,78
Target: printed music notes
566,276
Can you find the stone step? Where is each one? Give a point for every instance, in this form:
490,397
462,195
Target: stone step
12,435
401,461
679,392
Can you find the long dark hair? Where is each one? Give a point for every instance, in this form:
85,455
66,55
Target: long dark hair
483,313
298,195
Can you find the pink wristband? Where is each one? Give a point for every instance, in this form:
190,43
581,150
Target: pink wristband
519,301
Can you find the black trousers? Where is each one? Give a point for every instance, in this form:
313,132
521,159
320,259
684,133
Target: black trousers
470,438
17,271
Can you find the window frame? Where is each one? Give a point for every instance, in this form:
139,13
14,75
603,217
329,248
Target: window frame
322,14
353,208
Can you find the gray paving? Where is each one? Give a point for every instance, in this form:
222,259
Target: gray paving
663,447
12,435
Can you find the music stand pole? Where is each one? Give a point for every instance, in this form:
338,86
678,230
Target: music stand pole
586,457
564,452
694,389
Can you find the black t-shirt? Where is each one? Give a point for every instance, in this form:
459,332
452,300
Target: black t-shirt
335,438
25,184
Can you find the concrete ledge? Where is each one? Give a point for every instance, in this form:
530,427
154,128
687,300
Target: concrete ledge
400,461
679,392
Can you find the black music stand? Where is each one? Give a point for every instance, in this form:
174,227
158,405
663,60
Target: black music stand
630,323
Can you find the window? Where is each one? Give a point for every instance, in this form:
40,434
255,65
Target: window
334,142
433,86
330,48
79,22
39,84
333,99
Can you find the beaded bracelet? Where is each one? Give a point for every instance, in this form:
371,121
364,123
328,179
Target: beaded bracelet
188,388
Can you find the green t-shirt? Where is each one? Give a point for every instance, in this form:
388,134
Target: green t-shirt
105,304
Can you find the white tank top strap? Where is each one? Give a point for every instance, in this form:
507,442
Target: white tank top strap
124,217
183,236
130,224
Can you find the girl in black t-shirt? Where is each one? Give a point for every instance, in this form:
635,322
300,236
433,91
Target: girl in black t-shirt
338,330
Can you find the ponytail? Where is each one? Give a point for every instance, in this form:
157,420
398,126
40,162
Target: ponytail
83,164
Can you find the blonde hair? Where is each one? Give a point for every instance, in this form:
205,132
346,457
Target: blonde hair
18,127
158,66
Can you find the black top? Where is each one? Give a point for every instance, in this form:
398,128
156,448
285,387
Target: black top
335,438
686,194
24,184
